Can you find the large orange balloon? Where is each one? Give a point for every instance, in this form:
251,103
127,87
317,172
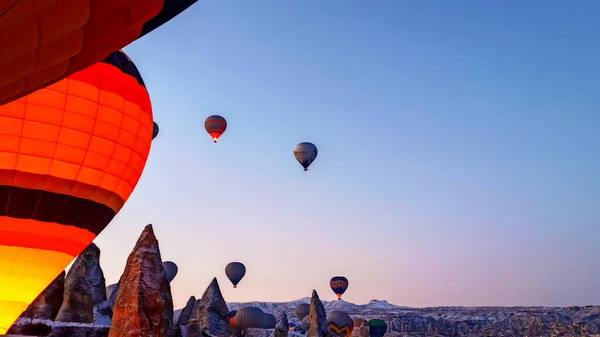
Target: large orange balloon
70,156
44,41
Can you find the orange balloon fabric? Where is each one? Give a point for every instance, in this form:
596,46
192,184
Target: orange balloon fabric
44,41
70,156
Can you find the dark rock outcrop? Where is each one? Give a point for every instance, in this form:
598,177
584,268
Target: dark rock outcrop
93,271
78,303
318,318
144,306
186,312
283,327
210,316
48,303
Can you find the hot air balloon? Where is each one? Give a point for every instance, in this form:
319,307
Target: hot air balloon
339,284
305,154
155,130
171,270
215,125
48,41
231,316
377,328
269,321
249,317
70,156
340,323
305,324
235,272
302,310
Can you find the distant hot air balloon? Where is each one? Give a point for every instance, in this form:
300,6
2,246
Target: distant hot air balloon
44,42
302,310
305,154
170,269
338,284
231,316
235,272
269,321
249,317
70,156
155,130
377,328
305,324
340,323
215,125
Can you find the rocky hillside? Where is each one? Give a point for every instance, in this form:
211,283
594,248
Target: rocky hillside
79,304
459,321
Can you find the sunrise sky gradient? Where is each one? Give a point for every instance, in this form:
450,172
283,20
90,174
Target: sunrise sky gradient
458,145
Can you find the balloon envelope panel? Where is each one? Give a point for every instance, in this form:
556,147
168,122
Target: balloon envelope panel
44,41
70,156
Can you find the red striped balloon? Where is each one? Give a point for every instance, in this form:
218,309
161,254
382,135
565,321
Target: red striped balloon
215,125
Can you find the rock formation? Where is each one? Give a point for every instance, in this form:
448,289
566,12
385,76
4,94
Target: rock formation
318,318
186,312
78,303
144,306
210,316
48,303
283,327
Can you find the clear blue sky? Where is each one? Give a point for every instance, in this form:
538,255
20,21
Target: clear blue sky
459,151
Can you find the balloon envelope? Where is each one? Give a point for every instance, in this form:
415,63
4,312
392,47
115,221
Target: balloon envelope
46,42
249,317
340,323
155,130
235,272
171,270
339,285
305,324
302,310
377,328
306,153
70,156
269,321
215,125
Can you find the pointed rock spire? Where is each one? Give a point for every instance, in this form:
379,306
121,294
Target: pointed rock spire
211,314
144,306
318,318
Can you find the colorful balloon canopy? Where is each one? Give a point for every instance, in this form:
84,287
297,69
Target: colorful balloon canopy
171,270
215,125
302,310
377,328
339,285
235,272
70,156
305,154
43,42
340,323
